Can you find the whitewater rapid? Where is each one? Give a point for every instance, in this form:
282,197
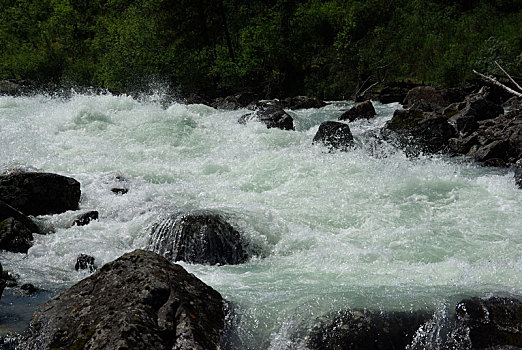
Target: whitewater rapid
328,230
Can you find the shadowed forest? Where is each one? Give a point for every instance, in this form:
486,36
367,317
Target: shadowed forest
325,49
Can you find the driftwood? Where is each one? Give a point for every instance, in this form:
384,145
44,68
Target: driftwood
496,82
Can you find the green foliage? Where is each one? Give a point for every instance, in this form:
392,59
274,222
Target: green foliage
323,48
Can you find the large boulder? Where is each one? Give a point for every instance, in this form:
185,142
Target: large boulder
35,193
416,131
271,116
425,98
139,301
368,330
494,322
198,236
15,236
363,110
334,135
7,211
466,115
302,102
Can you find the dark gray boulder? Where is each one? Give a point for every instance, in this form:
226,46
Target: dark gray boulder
302,102
35,193
237,101
363,110
334,135
15,236
139,301
368,330
85,218
518,173
466,115
7,211
85,262
198,236
272,117
425,98
415,130
488,323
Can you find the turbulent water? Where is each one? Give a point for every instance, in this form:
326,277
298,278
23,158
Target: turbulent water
328,230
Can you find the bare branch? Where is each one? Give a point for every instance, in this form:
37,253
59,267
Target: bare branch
509,76
494,81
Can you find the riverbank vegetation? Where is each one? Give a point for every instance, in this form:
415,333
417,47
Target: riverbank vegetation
326,49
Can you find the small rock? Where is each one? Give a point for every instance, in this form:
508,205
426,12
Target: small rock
121,191
518,173
85,218
28,288
364,110
334,135
272,117
85,262
198,236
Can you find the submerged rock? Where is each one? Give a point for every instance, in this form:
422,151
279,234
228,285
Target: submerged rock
494,322
85,218
364,329
40,193
416,130
334,135
85,262
364,110
139,301
272,117
199,236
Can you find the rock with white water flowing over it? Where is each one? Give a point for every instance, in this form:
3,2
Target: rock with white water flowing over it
415,130
35,193
139,301
272,117
368,330
334,135
518,173
85,218
85,262
364,110
494,322
199,236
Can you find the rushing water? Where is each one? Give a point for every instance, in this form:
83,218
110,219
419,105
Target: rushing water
329,230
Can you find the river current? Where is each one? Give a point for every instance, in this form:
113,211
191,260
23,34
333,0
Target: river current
368,228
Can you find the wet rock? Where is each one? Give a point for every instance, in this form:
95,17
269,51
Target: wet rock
272,117
28,289
118,190
237,101
416,131
425,98
39,193
364,329
7,211
364,110
85,218
463,145
518,173
488,323
334,135
198,236
471,111
85,262
139,301
15,236
302,102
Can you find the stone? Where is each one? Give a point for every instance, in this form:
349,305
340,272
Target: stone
15,236
2,281
120,191
417,131
7,211
139,301
85,218
474,110
368,330
35,193
85,262
237,101
487,323
334,135
425,98
272,117
302,102
28,289
364,110
200,237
